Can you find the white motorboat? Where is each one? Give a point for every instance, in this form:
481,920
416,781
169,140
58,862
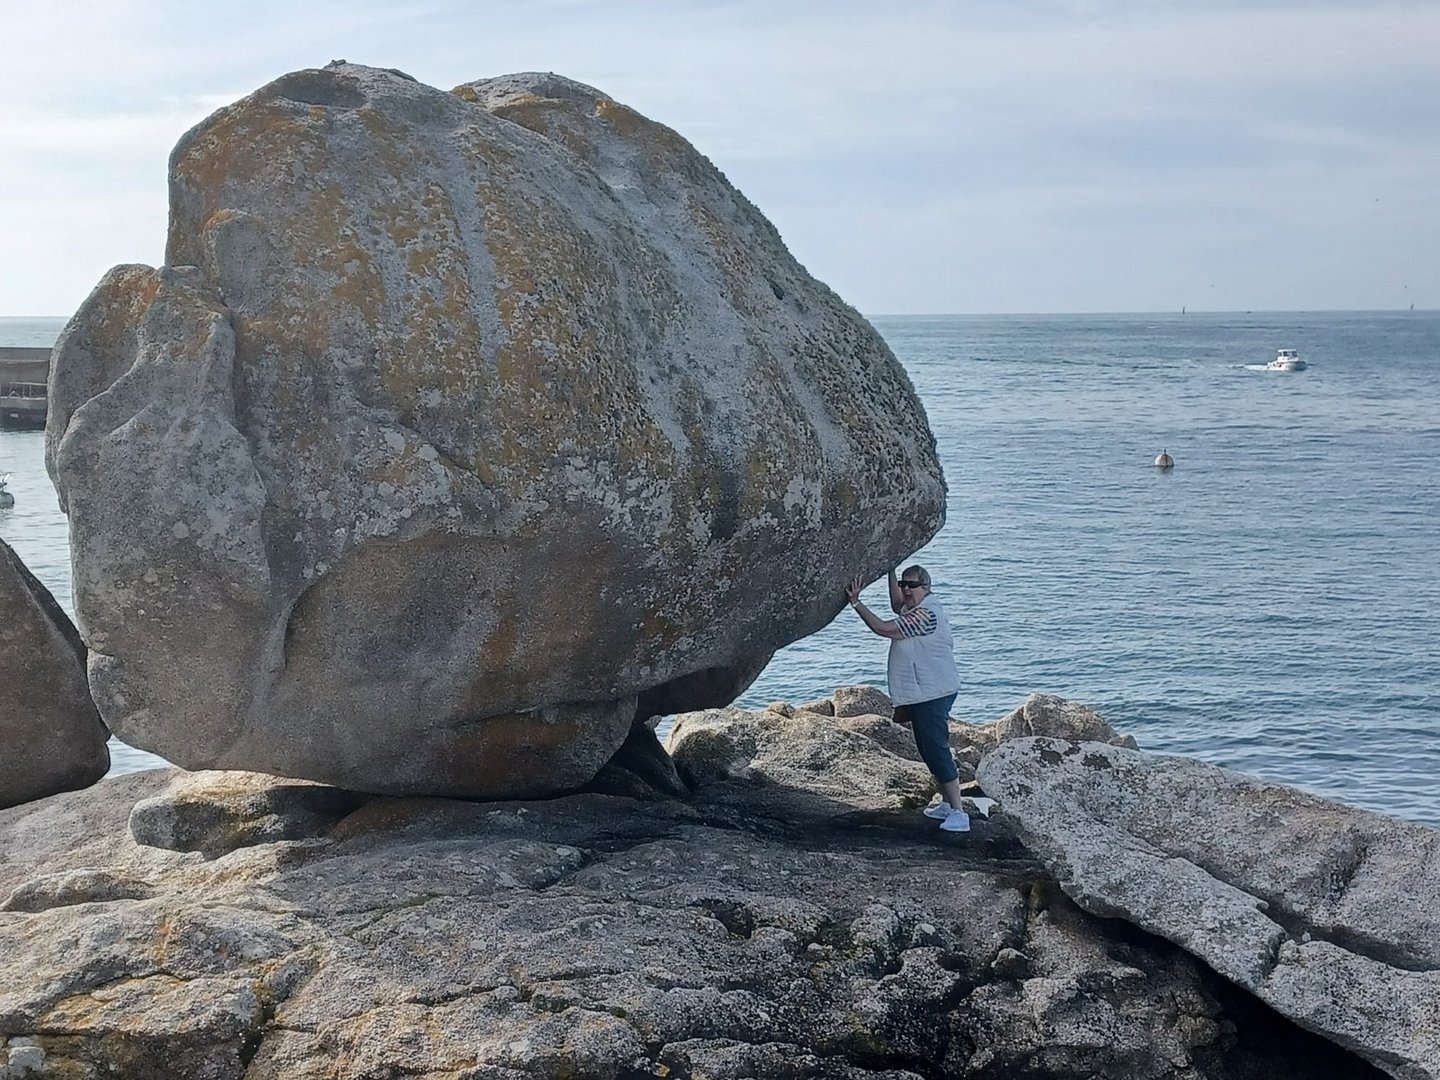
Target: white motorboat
1286,360
6,499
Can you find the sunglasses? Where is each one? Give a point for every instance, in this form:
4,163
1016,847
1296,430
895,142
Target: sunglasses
912,585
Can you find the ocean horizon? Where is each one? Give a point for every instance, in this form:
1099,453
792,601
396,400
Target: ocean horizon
49,326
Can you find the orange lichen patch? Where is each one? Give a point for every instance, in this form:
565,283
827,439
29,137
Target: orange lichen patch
765,477
524,101
731,258
844,495
686,490
392,145
664,625
688,404
166,932
434,352
661,144
777,447
479,463
85,1012
530,111
483,147
141,287
721,239
556,120
221,218
111,320
120,306
397,468
563,371
438,344
467,93
238,149
324,246
625,120
223,149
382,815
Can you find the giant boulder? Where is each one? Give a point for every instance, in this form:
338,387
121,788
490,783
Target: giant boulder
458,429
51,737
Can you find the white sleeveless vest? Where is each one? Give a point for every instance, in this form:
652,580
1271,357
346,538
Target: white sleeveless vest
923,668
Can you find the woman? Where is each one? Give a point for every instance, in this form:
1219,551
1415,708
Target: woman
923,680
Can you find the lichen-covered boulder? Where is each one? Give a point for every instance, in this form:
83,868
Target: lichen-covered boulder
51,737
1057,718
861,701
805,752
458,429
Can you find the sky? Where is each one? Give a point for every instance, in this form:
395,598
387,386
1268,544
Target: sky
919,156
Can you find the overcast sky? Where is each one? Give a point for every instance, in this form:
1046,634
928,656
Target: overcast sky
1005,156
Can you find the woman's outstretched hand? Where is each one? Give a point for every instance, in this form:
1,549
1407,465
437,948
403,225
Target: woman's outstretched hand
852,591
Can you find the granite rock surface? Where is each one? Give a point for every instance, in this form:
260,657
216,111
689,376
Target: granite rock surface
51,737
1058,718
459,429
1325,912
797,927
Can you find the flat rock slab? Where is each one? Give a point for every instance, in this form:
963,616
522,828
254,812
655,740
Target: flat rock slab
1327,913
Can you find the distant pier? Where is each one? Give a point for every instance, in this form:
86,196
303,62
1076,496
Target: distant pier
24,373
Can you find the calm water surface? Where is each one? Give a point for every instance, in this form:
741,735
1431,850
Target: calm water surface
1272,604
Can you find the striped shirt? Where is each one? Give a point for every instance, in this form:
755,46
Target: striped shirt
917,622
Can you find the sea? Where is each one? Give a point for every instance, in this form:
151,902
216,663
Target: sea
1271,604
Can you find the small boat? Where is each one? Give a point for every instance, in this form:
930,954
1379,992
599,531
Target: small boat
6,499
1286,360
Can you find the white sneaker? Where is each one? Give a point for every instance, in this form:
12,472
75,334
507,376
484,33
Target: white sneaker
956,821
939,811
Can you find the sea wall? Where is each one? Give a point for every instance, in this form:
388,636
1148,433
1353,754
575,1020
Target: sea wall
23,364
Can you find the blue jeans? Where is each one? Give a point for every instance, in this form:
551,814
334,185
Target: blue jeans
930,722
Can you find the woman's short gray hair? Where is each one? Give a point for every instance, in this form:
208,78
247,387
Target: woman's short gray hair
917,573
